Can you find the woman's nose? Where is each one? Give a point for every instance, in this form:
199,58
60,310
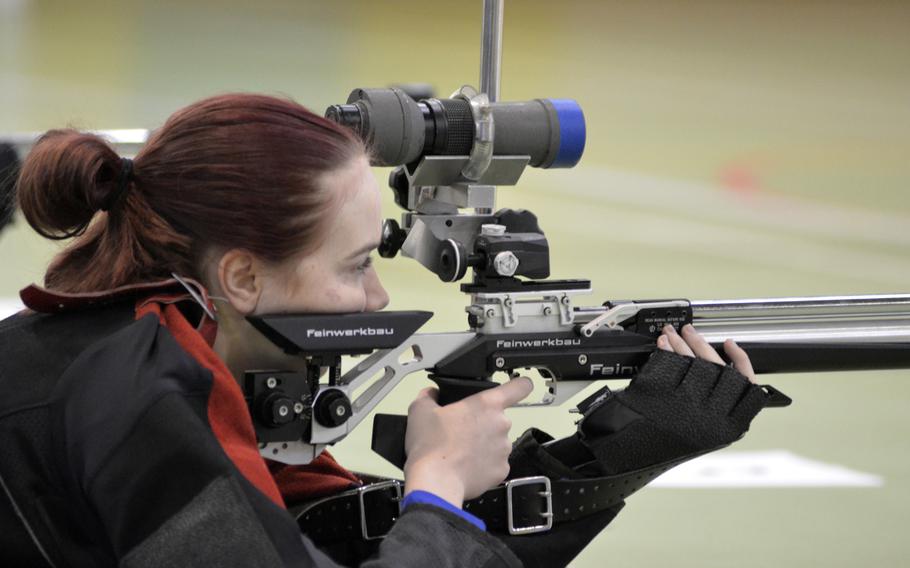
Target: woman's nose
377,297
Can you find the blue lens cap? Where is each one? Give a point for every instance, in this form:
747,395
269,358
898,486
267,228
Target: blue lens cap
572,132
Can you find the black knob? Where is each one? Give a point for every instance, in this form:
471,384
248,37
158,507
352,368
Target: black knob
332,408
398,181
452,263
393,237
276,409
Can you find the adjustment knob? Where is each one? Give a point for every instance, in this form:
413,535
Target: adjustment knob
276,409
452,263
392,238
398,181
332,408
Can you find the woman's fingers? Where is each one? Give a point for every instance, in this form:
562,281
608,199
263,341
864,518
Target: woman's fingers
677,343
740,359
509,393
427,395
692,344
700,347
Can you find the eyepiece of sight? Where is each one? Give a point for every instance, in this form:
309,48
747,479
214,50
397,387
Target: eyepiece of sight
401,130
346,115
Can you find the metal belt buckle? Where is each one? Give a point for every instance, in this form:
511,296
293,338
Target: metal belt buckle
547,493
362,491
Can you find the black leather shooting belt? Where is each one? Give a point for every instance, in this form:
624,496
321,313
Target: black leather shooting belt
526,505
365,513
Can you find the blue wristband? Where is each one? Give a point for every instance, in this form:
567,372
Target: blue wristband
427,498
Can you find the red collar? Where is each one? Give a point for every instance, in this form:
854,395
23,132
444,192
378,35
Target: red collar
52,301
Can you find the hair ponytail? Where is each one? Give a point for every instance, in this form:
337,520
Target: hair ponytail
228,171
67,183
65,179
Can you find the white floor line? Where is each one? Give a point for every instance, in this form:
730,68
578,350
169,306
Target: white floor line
770,468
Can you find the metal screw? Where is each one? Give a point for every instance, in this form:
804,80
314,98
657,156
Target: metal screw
490,313
340,410
508,302
505,263
565,300
500,362
547,310
492,229
298,408
283,410
271,382
582,359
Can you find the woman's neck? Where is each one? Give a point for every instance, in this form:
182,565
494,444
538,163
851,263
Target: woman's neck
243,348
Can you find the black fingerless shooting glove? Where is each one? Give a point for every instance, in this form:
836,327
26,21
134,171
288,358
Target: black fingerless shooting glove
675,407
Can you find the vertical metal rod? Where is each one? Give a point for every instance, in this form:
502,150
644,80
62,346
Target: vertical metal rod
491,48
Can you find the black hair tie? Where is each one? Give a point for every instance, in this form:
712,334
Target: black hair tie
123,184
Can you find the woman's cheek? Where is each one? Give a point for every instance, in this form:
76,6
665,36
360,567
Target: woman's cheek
347,299
357,301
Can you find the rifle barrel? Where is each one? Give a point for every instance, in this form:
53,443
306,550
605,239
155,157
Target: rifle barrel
830,333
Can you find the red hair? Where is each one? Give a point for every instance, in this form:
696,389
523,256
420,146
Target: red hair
228,171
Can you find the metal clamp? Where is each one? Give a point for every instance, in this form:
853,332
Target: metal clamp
547,493
613,317
362,491
482,149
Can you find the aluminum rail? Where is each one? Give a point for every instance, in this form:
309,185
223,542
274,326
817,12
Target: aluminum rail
826,319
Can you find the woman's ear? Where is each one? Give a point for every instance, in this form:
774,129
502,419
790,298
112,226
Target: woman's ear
241,279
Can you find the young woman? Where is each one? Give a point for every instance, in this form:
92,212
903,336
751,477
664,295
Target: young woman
124,433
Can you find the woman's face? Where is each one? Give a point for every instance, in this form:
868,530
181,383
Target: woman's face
338,277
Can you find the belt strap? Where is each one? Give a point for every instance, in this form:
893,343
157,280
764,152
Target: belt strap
364,513
526,505
531,505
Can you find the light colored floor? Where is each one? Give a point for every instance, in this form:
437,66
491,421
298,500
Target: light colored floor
735,149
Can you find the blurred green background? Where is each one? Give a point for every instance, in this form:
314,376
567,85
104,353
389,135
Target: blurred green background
735,149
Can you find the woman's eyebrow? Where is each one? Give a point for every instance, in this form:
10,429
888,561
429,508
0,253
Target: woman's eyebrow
363,250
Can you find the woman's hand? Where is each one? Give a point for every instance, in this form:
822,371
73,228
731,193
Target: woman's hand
682,403
692,344
460,450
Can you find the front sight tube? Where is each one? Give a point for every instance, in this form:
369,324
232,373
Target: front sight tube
401,130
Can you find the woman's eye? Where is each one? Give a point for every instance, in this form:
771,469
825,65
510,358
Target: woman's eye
366,264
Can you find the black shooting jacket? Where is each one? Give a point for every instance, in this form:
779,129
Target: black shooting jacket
121,443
